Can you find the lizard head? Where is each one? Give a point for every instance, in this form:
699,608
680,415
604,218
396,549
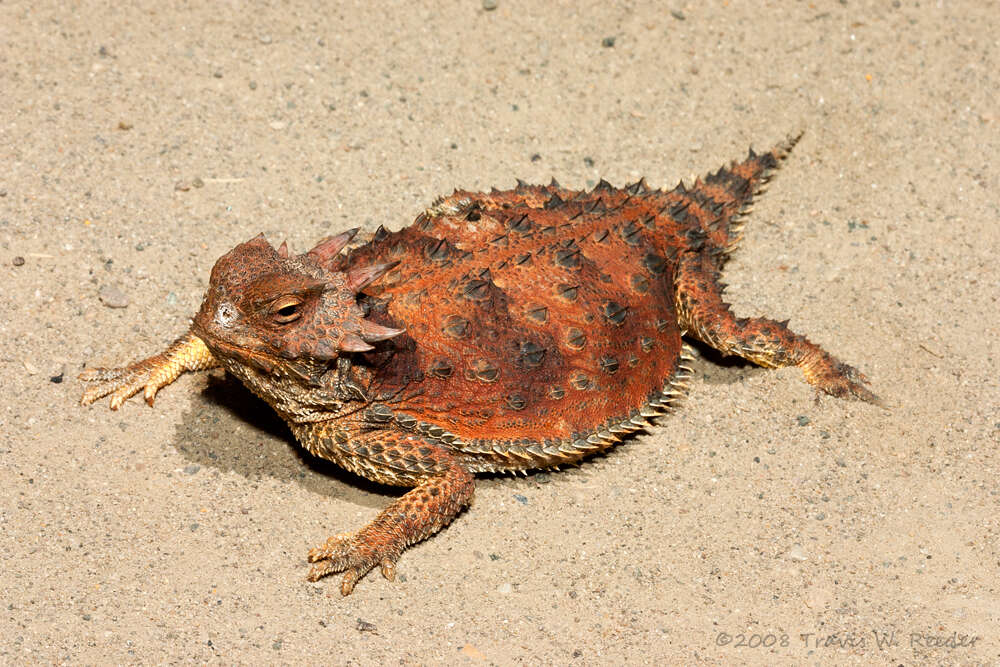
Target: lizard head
269,309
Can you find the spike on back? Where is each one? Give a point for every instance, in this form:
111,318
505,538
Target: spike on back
360,277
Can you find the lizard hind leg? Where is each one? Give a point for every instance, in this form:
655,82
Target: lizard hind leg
704,314
442,491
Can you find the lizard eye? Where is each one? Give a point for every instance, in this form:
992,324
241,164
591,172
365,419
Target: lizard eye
287,309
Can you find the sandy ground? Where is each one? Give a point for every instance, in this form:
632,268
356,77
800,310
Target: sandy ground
753,526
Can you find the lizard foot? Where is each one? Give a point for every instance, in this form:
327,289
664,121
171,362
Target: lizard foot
838,379
123,383
355,557
188,353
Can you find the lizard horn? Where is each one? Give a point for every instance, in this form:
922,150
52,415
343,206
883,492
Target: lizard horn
352,342
331,246
372,332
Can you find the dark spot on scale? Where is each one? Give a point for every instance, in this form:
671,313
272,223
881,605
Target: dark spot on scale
516,402
437,250
646,343
556,392
654,263
441,369
476,290
484,371
615,312
537,313
522,224
568,292
380,413
580,381
609,365
679,212
575,338
531,354
632,234
456,326
639,283
568,258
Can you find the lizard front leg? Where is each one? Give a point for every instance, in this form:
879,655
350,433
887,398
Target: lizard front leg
443,487
703,313
187,353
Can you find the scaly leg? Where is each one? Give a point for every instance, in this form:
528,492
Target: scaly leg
443,488
188,353
704,315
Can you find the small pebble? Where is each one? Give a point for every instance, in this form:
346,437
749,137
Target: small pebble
608,42
277,125
57,379
124,125
489,5
536,157
191,469
797,553
112,297
3,193
589,161
803,420
365,626
253,85
18,261
470,651
198,183
679,15
505,588
521,499
182,186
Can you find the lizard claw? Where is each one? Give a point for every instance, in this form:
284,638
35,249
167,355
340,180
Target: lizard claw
353,556
123,383
188,353
838,379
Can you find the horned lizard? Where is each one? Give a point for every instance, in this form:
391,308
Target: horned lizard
501,331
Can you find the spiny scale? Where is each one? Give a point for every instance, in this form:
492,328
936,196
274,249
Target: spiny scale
500,332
